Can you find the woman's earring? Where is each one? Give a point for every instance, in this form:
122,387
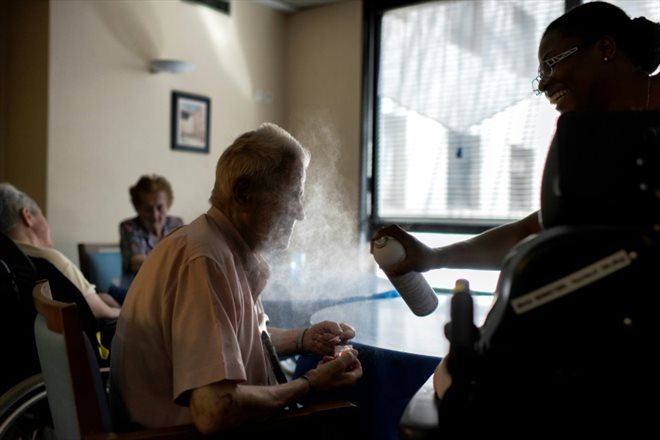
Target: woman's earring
605,59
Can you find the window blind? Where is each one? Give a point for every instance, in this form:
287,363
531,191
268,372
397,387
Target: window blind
460,137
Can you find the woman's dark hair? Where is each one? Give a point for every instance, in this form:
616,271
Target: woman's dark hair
148,184
638,38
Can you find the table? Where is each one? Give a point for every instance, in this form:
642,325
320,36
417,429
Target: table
290,303
398,351
389,324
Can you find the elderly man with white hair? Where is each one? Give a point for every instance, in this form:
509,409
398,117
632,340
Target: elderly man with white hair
192,342
22,220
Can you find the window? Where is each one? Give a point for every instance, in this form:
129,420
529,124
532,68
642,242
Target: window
458,138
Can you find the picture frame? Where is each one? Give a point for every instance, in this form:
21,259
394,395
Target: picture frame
191,115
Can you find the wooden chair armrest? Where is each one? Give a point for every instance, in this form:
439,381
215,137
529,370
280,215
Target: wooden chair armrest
183,432
314,415
323,417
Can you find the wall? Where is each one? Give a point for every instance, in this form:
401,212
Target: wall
4,62
323,76
110,118
24,96
99,119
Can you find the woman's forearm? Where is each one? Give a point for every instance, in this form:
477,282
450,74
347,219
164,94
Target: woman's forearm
488,249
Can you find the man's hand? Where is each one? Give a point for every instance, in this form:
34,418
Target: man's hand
321,338
335,372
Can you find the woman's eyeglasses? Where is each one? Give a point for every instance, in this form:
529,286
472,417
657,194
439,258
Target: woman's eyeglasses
547,68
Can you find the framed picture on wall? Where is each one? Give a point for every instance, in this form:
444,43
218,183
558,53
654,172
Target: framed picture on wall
190,122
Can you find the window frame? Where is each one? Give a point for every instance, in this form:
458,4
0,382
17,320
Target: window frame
368,221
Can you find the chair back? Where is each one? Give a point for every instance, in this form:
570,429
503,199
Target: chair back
569,343
571,336
65,291
76,395
24,272
100,263
17,312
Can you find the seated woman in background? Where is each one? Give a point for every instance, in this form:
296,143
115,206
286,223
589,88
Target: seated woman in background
152,198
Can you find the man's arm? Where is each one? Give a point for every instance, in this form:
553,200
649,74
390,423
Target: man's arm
109,300
225,405
99,308
320,338
285,340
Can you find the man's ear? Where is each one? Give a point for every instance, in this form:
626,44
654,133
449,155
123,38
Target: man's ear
26,217
241,190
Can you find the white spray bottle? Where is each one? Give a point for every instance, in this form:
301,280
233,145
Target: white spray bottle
412,286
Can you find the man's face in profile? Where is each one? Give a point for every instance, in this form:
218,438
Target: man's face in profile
41,229
276,210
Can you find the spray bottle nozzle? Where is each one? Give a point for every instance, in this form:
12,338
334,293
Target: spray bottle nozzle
381,242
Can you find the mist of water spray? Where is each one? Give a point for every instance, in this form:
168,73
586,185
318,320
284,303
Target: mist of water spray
325,260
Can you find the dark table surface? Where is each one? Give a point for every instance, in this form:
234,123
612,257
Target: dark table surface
388,323
398,351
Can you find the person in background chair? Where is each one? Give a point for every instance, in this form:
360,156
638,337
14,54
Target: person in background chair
22,220
152,198
592,58
194,345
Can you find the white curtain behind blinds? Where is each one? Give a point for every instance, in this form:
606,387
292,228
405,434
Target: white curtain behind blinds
461,137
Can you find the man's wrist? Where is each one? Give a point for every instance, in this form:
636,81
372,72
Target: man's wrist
306,378
300,343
